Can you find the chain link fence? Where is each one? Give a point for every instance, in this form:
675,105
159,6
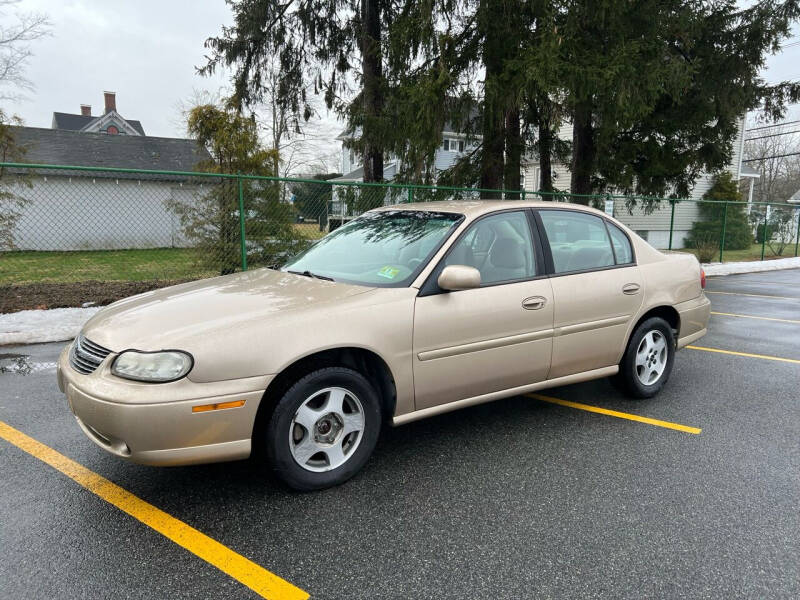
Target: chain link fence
143,229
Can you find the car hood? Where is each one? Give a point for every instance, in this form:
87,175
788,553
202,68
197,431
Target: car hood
174,317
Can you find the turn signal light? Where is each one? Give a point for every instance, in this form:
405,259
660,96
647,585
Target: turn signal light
702,279
218,406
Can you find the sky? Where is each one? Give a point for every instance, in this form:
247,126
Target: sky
146,51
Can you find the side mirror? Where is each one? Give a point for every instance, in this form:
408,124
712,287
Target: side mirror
459,277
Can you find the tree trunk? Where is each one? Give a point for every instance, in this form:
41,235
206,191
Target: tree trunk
511,179
545,149
583,151
372,75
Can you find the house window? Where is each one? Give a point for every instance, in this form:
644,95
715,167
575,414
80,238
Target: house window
452,145
112,130
352,157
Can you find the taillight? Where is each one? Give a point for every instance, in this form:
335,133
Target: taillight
702,279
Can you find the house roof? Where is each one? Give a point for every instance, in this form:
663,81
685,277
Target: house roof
64,147
389,172
73,122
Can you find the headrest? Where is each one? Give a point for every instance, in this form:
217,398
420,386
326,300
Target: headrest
506,253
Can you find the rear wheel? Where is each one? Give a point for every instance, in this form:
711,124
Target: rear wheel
648,359
324,429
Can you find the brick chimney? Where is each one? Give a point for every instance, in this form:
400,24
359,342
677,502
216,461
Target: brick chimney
111,101
86,110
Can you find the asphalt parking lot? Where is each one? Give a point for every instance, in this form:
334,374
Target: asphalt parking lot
520,498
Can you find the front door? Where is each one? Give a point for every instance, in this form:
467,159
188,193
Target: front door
495,337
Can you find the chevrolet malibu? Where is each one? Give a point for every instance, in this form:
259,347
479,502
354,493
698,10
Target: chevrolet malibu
403,313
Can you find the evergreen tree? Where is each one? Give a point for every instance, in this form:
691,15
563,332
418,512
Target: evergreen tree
655,89
321,45
707,230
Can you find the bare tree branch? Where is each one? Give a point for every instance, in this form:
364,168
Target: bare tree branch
17,31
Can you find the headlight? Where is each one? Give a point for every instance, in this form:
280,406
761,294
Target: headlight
159,367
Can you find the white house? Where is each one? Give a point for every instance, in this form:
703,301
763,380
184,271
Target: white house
453,146
88,210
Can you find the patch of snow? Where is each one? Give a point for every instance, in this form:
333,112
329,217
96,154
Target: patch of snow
754,266
38,326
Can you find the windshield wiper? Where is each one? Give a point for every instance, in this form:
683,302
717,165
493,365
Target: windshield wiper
312,275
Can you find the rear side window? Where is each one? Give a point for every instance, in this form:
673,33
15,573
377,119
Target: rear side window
622,245
578,241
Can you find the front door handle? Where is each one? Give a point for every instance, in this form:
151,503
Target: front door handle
631,288
534,302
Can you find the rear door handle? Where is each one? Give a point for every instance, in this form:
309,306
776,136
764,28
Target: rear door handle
631,288
534,302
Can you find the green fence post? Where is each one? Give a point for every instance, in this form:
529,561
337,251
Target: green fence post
241,224
797,241
724,225
410,195
764,232
671,221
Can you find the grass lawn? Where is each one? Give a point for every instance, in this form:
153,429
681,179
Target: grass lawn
752,253
310,230
100,265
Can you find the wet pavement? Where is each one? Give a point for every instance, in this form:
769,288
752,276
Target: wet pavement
513,499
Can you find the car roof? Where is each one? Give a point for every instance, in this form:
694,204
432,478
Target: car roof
474,208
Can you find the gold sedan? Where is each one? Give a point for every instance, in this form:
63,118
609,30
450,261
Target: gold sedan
405,312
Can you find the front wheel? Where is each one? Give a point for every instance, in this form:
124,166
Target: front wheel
324,429
648,358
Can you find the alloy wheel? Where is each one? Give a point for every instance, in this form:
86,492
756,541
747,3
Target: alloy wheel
326,429
651,357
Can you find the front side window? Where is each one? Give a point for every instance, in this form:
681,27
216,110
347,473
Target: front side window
578,241
499,246
382,249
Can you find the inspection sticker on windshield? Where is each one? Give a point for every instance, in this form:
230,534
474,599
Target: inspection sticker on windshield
389,272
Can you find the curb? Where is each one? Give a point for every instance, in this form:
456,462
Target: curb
735,268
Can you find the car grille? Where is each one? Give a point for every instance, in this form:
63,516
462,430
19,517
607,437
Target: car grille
86,356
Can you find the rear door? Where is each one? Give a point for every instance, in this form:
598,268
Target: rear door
495,337
597,289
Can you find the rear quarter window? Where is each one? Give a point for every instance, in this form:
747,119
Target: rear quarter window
621,243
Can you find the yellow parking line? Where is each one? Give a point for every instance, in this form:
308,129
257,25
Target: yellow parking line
616,413
747,354
754,295
754,317
258,579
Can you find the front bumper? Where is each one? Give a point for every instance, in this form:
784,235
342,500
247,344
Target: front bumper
694,315
154,424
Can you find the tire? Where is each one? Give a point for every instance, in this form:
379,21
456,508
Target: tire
647,363
324,429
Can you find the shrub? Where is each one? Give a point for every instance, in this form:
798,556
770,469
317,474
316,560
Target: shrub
738,234
760,232
707,245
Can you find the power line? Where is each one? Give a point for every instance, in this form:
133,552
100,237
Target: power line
761,137
769,157
773,125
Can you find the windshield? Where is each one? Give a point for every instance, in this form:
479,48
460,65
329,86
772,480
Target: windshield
385,248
